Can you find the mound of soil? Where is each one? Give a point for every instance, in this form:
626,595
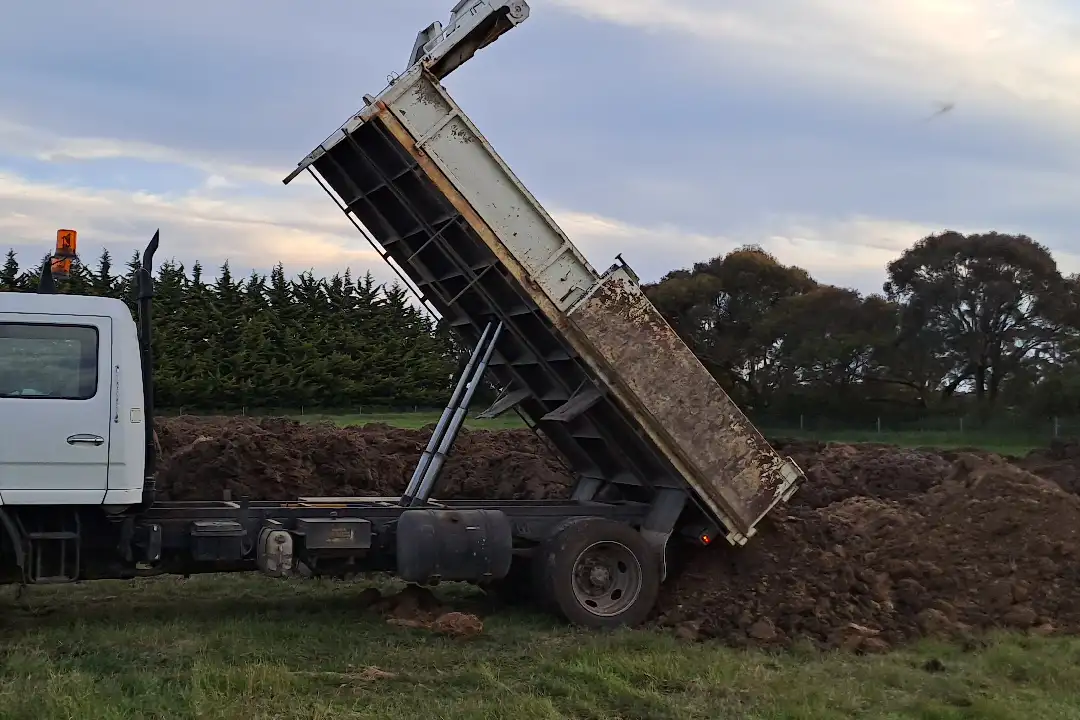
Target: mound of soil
280,459
835,471
881,545
990,546
1059,463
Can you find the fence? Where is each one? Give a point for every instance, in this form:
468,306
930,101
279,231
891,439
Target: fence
373,411
1007,434
1001,430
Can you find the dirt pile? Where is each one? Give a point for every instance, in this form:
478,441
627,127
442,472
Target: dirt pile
278,459
1060,462
880,546
836,472
990,546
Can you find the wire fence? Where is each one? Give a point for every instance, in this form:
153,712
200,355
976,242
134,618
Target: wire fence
310,411
1005,425
1002,429
1006,434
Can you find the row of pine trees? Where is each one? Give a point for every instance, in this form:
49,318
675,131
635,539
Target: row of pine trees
337,343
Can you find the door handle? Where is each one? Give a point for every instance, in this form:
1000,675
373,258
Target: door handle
86,440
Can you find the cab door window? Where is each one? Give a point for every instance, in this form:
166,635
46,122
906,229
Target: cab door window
58,362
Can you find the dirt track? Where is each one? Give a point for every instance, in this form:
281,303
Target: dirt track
882,544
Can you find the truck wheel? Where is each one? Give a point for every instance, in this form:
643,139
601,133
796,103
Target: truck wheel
599,573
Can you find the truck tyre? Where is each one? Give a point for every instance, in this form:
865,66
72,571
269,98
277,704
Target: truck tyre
598,573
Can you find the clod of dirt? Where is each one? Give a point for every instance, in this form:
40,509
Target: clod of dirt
688,630
373,673
763,630
1044,630
417,607
457,624
935,622
413,603
874,646
453,624
853,636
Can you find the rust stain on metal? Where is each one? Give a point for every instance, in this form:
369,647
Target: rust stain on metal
732,462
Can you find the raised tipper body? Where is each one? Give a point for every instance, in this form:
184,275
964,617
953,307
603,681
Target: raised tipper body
586,357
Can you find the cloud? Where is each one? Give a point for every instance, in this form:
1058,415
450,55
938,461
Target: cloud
302,229
18,140
1018,60
781,131
851,252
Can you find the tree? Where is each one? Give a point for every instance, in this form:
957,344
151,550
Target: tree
986,316
9,274
829,340
976,306
721,309
278,343
103,282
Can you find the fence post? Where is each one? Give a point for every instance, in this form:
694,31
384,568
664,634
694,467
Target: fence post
961,425
879,424
802,426
1057,428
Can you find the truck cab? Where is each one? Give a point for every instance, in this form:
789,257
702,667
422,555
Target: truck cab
71,402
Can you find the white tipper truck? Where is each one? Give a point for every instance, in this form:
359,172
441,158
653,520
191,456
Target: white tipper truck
659,452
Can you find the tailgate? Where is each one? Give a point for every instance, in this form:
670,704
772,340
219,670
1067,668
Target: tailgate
723,456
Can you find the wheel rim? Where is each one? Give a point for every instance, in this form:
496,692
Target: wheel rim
606,578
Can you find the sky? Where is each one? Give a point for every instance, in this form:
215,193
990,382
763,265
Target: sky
670,131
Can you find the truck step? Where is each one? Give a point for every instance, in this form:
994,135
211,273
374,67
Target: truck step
53,556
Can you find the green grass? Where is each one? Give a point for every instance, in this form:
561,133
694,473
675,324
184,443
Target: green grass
255,648
1005,444
417,420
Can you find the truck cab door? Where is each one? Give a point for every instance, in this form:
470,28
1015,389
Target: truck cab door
55,408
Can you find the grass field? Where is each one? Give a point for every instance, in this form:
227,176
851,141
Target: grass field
1004,443
257,648
416,420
